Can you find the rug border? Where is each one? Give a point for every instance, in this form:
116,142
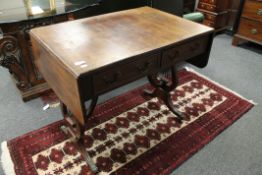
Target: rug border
205,142
6,160
220,85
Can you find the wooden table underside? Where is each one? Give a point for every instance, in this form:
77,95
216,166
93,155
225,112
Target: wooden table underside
85,58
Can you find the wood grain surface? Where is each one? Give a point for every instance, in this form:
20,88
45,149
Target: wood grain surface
91,43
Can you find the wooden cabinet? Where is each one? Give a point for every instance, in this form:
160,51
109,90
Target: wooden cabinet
215,12
233,11
250,23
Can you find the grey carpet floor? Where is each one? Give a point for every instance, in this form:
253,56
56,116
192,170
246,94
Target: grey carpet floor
237,151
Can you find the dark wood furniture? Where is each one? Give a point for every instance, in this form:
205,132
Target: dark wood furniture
216,13
85,58
16,19
250,23
15,44
233,11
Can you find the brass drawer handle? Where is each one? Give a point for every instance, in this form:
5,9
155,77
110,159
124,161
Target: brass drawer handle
259,11
209,17
212,1
111,80
209,7
254,31
144,67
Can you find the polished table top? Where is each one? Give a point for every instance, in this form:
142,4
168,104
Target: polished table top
88,44
22,10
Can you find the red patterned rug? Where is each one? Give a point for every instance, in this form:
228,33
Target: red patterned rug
132,134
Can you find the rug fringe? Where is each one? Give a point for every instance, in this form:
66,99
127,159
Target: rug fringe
6,160
220,85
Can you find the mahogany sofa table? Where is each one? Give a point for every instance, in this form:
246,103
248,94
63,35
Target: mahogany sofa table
85,58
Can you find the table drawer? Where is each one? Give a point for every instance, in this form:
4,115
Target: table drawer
253,10
250,29
117,75
184,51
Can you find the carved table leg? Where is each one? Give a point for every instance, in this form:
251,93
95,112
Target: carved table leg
9,58
163,87
76,131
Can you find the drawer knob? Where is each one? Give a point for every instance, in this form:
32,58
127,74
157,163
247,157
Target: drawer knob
144,67
110,80
259,11
172,56
254,31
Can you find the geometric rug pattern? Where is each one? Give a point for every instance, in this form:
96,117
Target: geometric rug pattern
133,133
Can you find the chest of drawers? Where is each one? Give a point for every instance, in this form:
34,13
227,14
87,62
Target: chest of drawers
250,23
215,11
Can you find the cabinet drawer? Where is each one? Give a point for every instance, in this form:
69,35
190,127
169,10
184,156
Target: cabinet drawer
184,51
253,10
213,2
210,17
207,7
119,74
204,1
216,21
209,23
250,29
